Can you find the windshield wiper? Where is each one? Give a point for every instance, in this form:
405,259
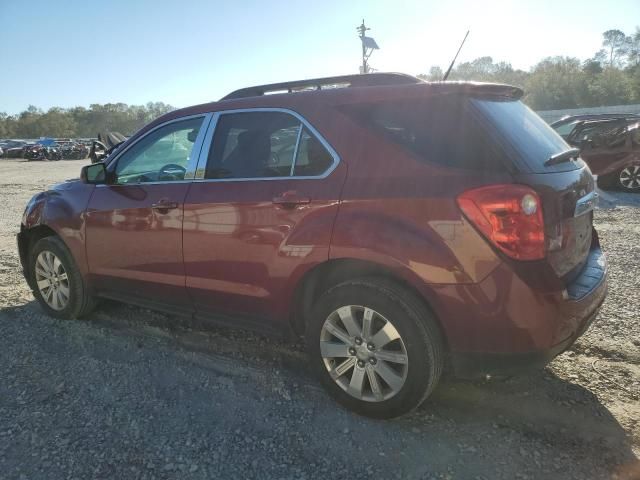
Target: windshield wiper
565,156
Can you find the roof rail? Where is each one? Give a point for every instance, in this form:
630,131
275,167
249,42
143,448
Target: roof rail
362,80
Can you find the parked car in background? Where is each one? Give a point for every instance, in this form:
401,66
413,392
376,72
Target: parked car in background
357,217
568,124
53,152
38,151
1,152
14,148
72,150
35,152
610,144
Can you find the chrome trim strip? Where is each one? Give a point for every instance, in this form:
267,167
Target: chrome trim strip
193,160
295,150
201,168
140,184
204,153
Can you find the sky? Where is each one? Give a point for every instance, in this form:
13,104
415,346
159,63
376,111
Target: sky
183,52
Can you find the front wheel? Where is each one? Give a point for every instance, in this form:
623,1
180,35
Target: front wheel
58,284
375,347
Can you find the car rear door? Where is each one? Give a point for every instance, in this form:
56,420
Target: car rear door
134,223
261,214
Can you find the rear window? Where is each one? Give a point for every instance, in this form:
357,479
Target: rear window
441,130
526,132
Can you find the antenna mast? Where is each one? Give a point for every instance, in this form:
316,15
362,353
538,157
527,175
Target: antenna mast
446,75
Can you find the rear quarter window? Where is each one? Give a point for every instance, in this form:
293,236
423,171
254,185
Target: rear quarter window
440,130
532,139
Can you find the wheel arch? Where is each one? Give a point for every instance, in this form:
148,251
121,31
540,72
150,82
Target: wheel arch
27,239
332,272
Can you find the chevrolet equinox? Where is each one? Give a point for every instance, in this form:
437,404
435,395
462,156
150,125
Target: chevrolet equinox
402,227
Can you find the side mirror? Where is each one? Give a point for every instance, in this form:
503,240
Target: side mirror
94,174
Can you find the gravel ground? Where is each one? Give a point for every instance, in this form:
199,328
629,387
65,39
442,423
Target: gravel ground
130,393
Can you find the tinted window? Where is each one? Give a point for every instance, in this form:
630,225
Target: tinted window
161,155
439,130
253,145
263,144
313,158
533,139
565,129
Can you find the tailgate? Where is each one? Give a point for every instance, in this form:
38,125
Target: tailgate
568,199
566,187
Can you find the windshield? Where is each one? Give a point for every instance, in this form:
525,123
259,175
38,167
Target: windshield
532,138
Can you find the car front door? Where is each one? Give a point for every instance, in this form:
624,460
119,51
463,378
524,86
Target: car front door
134,223
262,214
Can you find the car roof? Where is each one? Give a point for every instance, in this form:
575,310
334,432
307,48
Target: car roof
354,89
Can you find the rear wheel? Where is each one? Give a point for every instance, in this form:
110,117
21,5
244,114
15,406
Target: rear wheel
58,284
629,178
375,347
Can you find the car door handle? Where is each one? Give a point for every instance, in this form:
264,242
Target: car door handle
290,199
164,204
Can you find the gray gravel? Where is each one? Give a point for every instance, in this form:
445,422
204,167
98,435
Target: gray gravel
130,393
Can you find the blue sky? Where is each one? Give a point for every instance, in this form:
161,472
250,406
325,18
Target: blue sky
73,52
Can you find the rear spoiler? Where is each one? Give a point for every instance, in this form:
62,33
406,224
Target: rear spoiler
479,89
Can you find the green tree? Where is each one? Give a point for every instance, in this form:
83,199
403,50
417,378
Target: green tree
616,46
633,53
556,82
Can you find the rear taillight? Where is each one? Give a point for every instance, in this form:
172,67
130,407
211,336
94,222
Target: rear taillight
510,216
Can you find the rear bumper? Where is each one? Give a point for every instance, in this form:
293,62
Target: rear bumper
479,365
504,326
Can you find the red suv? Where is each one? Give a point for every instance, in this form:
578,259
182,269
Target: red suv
401,227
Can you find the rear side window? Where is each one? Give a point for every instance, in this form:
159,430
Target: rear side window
439,130
263,145
526,132
312,159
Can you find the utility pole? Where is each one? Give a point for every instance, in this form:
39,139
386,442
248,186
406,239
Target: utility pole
362,29
369,44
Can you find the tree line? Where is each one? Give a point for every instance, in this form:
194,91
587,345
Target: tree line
610,77
80,122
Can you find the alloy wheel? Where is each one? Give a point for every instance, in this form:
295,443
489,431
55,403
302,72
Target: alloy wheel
52,280
630,177
364,353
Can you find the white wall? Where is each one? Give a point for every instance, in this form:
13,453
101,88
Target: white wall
553,115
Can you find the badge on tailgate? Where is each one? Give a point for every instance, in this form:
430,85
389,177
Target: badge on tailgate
586,203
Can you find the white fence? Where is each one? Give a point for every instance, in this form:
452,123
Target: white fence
553,115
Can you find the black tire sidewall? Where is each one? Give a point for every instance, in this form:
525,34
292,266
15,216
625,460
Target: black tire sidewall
420,342
76,286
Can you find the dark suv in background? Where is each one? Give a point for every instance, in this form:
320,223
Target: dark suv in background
400,226
609,143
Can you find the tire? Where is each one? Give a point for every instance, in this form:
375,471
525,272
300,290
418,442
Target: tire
420,344
608,182
78,302
628,178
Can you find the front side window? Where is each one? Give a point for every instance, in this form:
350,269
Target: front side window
160,156
264,145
